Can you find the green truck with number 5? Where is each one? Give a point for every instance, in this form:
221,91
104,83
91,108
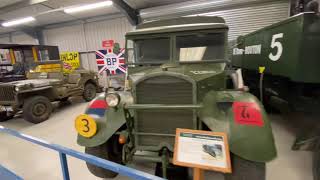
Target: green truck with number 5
288,55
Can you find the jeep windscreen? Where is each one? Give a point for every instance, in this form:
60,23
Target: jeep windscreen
200,47
149,51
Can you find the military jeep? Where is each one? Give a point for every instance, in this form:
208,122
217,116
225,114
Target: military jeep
45,84
177,78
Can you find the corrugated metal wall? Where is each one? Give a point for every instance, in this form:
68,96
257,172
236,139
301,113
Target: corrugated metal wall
18,38
21,38
88,37
5,39
244,20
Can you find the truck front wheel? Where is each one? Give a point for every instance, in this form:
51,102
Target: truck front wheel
37,109
112,151
246,170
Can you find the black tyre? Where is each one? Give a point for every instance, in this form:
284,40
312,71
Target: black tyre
246,170
89,92
4,116
112,151
66,99
316,165
37,109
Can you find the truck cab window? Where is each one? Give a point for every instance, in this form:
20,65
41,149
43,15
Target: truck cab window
149,50
200,47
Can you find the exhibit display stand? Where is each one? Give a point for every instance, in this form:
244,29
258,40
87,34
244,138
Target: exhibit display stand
202,150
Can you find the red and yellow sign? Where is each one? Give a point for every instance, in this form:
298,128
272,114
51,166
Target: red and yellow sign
71,61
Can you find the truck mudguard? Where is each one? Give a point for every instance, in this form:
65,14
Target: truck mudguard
108,120
241,115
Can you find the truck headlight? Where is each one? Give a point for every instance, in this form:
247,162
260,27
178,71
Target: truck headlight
112,99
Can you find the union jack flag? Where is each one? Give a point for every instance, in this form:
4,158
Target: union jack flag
108,61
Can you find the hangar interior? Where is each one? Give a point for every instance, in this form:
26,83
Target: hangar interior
49,23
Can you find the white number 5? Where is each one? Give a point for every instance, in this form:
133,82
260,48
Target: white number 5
278,45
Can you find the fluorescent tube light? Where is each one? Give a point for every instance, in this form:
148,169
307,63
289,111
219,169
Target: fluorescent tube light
18,21
87,7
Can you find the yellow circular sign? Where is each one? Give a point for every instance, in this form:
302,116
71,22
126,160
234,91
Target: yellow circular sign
85,125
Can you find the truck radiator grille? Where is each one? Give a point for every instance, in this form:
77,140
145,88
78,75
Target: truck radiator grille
162,90
6,93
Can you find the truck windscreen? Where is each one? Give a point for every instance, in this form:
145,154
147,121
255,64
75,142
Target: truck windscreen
200,47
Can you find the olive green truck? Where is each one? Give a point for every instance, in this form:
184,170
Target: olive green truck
176,78
288,56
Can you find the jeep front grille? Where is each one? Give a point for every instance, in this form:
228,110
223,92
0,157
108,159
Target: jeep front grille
162,90
6,93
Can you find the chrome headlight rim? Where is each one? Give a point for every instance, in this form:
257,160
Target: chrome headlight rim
17,88
112,99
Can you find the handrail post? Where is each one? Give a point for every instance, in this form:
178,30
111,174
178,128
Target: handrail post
64,166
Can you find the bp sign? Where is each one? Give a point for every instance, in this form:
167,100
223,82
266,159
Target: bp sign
110,61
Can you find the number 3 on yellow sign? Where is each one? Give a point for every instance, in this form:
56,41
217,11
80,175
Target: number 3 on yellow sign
85,125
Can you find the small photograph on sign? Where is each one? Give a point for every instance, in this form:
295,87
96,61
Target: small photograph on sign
214,150
202,149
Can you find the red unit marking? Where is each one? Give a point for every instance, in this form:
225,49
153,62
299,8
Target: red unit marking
247,113
99,104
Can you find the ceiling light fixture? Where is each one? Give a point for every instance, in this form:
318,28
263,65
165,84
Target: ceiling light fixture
87,7
18,21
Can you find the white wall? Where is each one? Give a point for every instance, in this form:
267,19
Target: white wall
88,37
21,38
18,38
5,40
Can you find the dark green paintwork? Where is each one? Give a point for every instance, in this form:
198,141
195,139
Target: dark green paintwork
300,58
209,85
108,124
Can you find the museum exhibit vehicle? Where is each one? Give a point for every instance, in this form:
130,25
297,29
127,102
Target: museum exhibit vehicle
176,79
287,54
46,82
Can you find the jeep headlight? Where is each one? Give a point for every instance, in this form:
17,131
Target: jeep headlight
112,99
17,88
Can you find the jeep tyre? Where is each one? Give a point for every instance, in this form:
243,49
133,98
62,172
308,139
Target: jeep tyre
4,116
246,170
112,151
37,109
89,92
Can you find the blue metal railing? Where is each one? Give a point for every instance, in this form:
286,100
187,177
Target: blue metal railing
8,175
63,151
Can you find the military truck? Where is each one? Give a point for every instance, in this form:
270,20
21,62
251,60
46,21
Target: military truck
46,82
287,54
176,79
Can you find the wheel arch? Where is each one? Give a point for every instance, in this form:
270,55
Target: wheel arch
47,92
249,141
109,121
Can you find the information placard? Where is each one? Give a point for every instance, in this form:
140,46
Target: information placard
202,149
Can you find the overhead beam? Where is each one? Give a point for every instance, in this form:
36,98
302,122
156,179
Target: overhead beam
19,5
131,13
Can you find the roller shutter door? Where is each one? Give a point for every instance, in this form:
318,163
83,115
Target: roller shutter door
246,19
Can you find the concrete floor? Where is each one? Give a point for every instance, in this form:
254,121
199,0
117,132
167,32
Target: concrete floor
36,163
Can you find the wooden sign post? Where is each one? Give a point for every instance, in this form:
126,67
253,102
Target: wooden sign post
202,150
198,174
